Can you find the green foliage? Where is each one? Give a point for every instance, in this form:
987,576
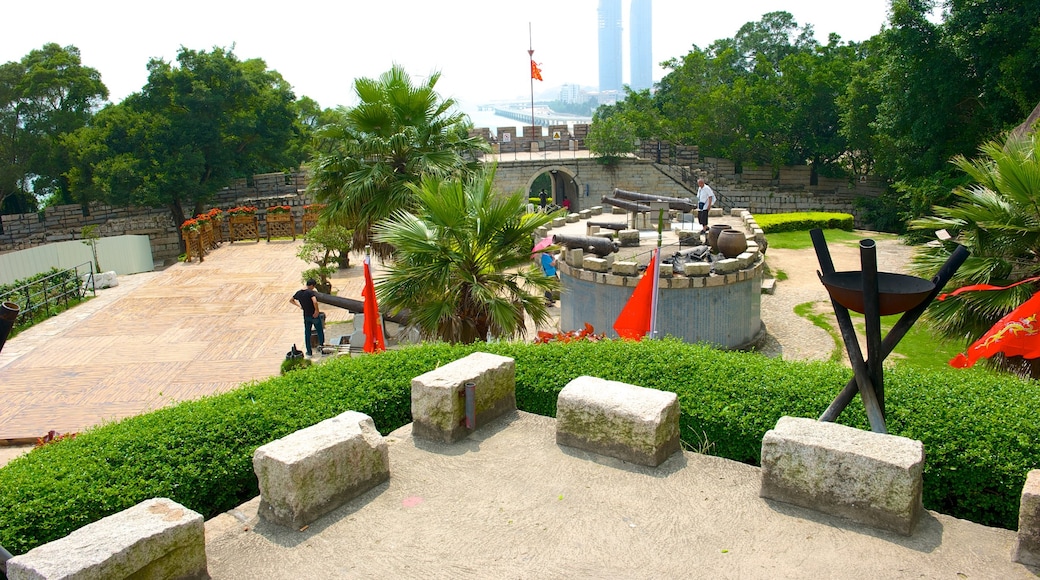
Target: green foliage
463,264
326,245
292,364
50,293
90,237
807,310
803,221
611,138
979,431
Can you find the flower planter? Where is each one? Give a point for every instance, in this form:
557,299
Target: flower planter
207,236
310,219
280,225
243,227
192,245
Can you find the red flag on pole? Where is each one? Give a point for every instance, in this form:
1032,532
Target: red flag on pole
635,319
373,330
536,73
1017,334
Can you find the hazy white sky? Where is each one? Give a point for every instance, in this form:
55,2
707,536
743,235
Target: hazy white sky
321,46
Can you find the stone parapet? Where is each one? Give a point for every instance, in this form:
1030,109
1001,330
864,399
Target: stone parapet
157,538
871,478
611,418
313,471
1027,545
439,399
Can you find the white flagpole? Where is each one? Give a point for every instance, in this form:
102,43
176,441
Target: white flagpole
657,276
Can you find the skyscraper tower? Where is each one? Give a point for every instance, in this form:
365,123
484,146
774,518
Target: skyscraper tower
609,45
640,42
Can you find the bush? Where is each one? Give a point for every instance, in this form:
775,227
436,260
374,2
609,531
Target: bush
979,431
804,221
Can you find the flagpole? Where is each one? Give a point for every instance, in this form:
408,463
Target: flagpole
657,275
530,55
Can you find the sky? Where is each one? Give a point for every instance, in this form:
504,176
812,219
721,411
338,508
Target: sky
321,46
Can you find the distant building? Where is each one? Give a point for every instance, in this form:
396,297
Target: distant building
609,45
640,42
573,94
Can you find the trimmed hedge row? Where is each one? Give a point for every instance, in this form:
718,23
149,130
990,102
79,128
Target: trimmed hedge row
979,431
804,221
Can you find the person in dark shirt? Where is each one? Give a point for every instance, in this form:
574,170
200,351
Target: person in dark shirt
307,299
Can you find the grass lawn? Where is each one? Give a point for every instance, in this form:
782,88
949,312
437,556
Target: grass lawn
919,348
802,241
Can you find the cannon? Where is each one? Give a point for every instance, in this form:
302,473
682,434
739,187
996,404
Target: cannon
358,307
595,244
626,205
677,203
8,315
616,226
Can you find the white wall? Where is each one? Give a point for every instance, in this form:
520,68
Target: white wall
123,254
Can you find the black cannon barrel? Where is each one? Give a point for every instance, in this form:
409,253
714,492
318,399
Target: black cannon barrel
358,307
597,245
678,203
8,314
625,204
616,226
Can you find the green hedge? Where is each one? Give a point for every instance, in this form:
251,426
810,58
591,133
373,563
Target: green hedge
979,431
804,221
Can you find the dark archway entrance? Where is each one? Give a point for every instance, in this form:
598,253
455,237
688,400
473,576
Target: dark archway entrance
561,185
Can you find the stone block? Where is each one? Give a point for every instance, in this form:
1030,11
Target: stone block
716,212
590,230
871,478
559,222
1027,546
313,471
157,538
737,211
696,268
714,281
628,238
596,210
594,264
574,258
438,397
102,280
727,265
664,270
585,214
689,237
617,211
541,232
631,423
625,268
572,218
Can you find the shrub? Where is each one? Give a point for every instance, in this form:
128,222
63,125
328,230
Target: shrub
803,221
979,431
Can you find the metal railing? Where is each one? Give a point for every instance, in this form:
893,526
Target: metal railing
38,298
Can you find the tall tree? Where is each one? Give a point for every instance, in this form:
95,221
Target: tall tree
463,262
398,133
192,129
45,96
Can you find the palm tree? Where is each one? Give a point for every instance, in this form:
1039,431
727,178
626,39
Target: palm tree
997,218
463,264
398,133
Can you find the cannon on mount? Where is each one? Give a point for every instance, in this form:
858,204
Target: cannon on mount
677,203
616,226
597,245
358,307
626,205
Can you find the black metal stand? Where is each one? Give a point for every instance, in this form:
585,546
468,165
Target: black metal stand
868,373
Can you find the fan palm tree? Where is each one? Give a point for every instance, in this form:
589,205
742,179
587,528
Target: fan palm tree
997,218
463,264
399,132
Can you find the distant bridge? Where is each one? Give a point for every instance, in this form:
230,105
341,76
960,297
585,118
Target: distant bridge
543,117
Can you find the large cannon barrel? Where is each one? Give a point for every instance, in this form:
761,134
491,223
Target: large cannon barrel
616,226
8,314
358,307
678,203
626,205
597,245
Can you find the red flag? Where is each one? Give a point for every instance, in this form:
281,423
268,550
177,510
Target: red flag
635,318
536,73
372,328
977,287
1017,334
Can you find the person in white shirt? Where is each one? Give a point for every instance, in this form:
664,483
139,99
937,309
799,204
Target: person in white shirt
705,199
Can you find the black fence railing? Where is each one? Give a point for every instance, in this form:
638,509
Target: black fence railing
39,298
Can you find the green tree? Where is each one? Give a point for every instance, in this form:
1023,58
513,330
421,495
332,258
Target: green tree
191,130
611,138
463,263
997,218
326,245
45,96
398,133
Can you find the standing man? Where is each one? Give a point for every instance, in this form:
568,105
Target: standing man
705,199
542,198
307,299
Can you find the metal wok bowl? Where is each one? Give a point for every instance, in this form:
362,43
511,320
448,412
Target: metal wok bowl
897,292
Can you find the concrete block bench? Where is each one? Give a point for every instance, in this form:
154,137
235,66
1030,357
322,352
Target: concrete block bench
631,423
1027,547
313,471
871,478
439,396
157,538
